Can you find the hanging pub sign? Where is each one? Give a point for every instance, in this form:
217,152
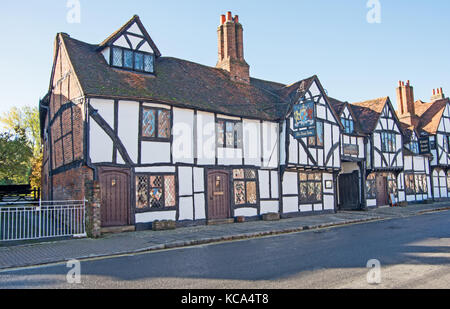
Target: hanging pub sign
304,120
424,145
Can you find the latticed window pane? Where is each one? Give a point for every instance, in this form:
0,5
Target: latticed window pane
303,191
148,63
164,124
169,188
229,132
156,181
318,192
128,59
303,177
142,191
156,200
117,57
238,135
149,123
220,133
239,193
238,174
320,135
251,192
139,61
250,174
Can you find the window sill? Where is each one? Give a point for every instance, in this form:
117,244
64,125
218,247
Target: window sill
150,210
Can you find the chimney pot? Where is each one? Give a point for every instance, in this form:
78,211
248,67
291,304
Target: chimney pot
236,19
222,19
440,91
229,16
434,91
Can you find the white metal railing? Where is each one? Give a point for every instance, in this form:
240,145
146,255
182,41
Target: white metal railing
39,220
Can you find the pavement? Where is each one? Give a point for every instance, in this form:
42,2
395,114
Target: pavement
147,241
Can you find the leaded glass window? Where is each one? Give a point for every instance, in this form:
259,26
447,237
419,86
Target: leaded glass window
117,57
148,63
348,125
388,142
414,147
139,61
155,192
371,191
156,124
392,184
169,188
141,192
149,123
128,59
245,187
229,134
416,184
132,60
163,124
317,141
310,188
410,184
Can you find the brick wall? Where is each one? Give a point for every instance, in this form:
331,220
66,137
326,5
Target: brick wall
70,185
66,126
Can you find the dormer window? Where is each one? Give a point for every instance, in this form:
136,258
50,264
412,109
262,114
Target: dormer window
414,147
132,60
349,126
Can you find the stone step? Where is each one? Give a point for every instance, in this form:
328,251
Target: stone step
221,221
118,229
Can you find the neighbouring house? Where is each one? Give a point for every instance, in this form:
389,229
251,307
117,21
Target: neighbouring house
432,124
352,179
169,139
384,150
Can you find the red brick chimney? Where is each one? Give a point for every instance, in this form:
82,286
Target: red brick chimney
438,94
231,49
405,102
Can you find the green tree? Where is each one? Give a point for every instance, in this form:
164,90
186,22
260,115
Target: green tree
26,119
15,157
22,137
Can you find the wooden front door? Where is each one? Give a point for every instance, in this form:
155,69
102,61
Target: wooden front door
349,191
115,191
382,192
219,195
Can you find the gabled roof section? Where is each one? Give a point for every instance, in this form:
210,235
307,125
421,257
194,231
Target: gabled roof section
368,113
339,106
178,82
293,92
431,118
131,23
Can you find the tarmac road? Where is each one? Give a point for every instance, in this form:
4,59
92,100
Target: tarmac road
414,252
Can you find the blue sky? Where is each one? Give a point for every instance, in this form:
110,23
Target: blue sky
284,41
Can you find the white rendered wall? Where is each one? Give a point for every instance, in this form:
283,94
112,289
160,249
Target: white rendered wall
129,127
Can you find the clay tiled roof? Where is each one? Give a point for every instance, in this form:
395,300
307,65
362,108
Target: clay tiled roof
407,132
368,113
431,117
178,82
338,106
